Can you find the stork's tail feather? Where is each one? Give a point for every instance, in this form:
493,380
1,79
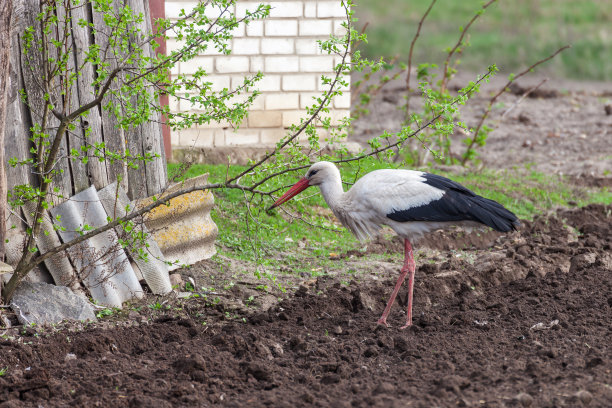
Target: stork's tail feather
493,214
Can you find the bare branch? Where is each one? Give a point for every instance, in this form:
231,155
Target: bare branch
523,96
409,67
445,70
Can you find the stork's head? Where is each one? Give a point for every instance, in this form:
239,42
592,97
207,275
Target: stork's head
316,175
321,172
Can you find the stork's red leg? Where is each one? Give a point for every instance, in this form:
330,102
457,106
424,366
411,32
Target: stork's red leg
409,266
412,268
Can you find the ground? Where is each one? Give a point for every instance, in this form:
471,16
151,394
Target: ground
562,127
520,319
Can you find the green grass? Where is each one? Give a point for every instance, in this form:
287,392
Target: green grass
512,34
525,192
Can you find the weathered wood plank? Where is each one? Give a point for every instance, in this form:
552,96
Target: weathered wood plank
75,138
6,12
17,127
157,177
146,138
91,123
34,85
113,135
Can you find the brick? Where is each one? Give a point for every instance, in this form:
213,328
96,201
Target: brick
272,136
269,83
338,115
191,66
307,46
284,100
213,125
172,33
239,30
321,63
330,9
325,87
232,64
310,9
277,46
322,133
299,82
173,10
258,102
243,6
241,137
282,28
257,64
173,45
214,12
255,28
309,99
293,117
343,101
315,27
245,46
219,82
173,104
339,30
264,119
219,137
196,137
286,9
281,64
175,140
212,51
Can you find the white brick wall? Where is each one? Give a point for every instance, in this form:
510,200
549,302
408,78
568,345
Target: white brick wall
283,47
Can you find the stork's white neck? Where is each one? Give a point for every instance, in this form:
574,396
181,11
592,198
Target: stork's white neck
332,191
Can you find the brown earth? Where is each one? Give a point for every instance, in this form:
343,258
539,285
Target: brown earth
562,127
524,323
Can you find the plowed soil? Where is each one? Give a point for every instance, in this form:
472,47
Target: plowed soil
525,322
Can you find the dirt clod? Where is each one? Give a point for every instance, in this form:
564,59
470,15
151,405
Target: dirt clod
584,396
525,399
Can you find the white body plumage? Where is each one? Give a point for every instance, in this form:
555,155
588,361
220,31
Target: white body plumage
411,202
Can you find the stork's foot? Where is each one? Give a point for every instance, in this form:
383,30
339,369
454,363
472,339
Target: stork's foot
408,322
382,322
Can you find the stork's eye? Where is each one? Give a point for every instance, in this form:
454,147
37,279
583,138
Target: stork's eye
312,173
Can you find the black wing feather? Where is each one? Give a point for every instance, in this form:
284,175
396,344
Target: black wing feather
458,204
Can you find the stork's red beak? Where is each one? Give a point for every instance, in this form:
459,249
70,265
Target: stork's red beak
292,192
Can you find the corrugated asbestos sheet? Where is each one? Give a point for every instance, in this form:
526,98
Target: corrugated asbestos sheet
58,265
100,261
182,232
183,229
154,269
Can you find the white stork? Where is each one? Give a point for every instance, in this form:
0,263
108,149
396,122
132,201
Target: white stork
411,202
